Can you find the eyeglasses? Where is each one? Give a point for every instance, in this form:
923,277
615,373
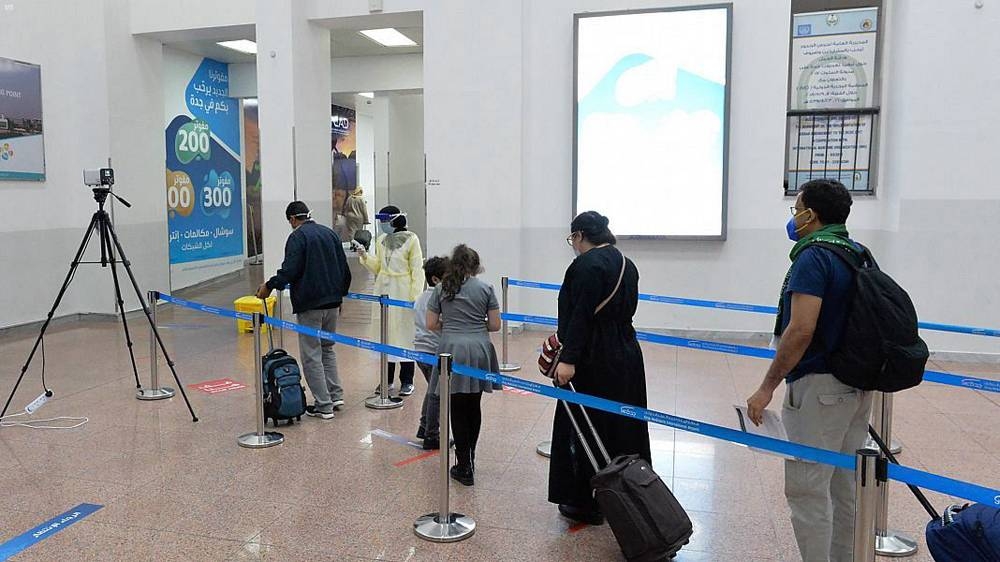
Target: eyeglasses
569,239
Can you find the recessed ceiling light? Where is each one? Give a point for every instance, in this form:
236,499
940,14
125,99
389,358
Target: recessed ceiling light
368,95
242,45
388,37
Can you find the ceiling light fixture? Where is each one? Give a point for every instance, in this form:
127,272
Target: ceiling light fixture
388,37
368,95
242,45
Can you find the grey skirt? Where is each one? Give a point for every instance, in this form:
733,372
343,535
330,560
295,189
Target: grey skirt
472,350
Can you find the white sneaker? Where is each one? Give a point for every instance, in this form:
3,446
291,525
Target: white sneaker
338,404
406,390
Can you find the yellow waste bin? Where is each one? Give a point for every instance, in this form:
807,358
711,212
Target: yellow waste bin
249,305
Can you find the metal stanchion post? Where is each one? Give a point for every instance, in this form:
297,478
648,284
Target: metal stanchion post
259,439
865,500
888,542
894,446
154,392
444,526
505,365
382,400
545,449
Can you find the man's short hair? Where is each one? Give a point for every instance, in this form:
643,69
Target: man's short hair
829,199
297,209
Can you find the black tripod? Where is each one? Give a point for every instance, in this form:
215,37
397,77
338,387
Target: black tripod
101,223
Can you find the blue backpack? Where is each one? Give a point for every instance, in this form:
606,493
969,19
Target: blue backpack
284,397
969,533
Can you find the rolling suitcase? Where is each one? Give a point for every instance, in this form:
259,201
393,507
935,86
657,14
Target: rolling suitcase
645,517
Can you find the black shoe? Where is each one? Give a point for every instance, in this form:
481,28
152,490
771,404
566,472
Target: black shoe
431,444
463,473
421,434
581,515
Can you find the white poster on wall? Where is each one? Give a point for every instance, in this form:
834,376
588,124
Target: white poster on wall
22,148
833,68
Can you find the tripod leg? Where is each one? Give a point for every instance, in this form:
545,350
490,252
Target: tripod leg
149,318
104,224
41,333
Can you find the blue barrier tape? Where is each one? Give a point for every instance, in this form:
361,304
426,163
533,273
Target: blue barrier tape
908,475
353,342
399,303
206,308
945,485
710,430
543,320
375,298
950,379
756,308
533,285
960,329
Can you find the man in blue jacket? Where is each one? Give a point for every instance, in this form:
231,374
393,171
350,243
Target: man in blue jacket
316,268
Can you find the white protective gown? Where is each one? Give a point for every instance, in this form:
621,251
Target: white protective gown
398,268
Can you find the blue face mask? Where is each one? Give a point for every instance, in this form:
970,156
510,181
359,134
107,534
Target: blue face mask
386,227
790,228
793,230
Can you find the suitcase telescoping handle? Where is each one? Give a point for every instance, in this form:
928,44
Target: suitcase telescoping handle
581,437
270,333
916,491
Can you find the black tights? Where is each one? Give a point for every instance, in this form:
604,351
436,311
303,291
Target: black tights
466,420
405,372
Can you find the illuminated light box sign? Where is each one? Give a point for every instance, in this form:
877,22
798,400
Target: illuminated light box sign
22,148
651,120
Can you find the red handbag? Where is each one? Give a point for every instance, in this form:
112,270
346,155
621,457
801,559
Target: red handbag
552,347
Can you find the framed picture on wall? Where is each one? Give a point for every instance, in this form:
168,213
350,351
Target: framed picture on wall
22,148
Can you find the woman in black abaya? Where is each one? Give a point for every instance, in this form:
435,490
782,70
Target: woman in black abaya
601,356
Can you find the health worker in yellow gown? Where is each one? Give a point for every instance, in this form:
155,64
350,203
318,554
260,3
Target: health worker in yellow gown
398,269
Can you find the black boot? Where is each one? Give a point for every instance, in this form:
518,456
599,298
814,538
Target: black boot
463,470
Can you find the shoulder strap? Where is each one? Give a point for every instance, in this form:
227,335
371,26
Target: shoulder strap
615,290
852,259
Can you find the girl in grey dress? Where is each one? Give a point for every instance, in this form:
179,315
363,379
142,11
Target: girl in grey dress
465,310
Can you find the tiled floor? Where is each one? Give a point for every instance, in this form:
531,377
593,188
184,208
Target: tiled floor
174,490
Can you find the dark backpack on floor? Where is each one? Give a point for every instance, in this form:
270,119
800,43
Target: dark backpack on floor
881,349
965,534
284,397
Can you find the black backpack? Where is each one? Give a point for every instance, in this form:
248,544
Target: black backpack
880,349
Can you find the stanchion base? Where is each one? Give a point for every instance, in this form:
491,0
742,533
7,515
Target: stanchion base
545,449
254,441
894,447
155,393
895,544
509,367
388,403
457,527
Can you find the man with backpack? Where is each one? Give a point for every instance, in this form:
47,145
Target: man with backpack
819,409
316,268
